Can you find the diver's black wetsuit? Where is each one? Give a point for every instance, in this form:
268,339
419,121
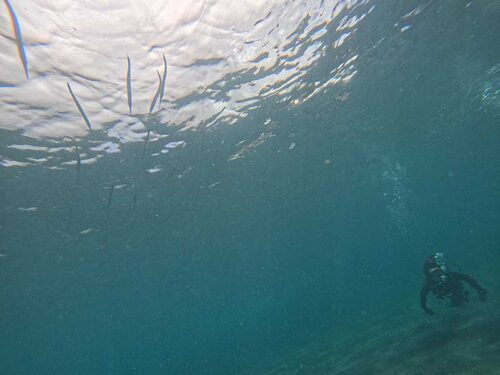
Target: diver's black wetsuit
452,287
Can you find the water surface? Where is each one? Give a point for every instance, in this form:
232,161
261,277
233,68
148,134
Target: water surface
277,204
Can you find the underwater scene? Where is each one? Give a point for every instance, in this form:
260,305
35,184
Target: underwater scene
250,187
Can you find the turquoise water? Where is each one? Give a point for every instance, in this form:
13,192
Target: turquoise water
298,218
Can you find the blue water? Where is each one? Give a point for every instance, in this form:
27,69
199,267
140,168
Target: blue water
217,266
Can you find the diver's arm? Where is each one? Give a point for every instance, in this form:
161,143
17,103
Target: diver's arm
473,283
423,300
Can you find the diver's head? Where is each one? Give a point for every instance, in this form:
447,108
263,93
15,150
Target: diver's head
435,269
435,260
439,257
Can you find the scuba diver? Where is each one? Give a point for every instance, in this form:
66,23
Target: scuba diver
445,283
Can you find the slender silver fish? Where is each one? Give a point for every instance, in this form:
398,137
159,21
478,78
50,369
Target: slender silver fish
145,144
19,38
78,165
110,195
163,80
172,172
129,86
82,112
155,98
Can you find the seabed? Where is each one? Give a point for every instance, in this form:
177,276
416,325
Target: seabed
462,341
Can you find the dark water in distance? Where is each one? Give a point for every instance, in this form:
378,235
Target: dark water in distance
313,234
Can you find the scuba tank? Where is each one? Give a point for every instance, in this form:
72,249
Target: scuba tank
439,259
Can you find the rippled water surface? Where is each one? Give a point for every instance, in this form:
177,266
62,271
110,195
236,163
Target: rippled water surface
216,187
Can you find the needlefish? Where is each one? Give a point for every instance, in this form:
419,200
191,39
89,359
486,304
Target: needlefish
129,86
19,37
80,109
163,80
155,98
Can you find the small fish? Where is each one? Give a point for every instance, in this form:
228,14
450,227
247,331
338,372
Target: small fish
145,144
110,195
129,86
163,80
156,94
28,209
19,38
155,169
106,222
214,184
172,172
343,97
78,165
82,112
86,231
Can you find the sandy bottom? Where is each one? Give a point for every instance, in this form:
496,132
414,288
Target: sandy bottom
453,342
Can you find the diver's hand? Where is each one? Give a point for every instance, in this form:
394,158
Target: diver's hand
482,295
429,312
